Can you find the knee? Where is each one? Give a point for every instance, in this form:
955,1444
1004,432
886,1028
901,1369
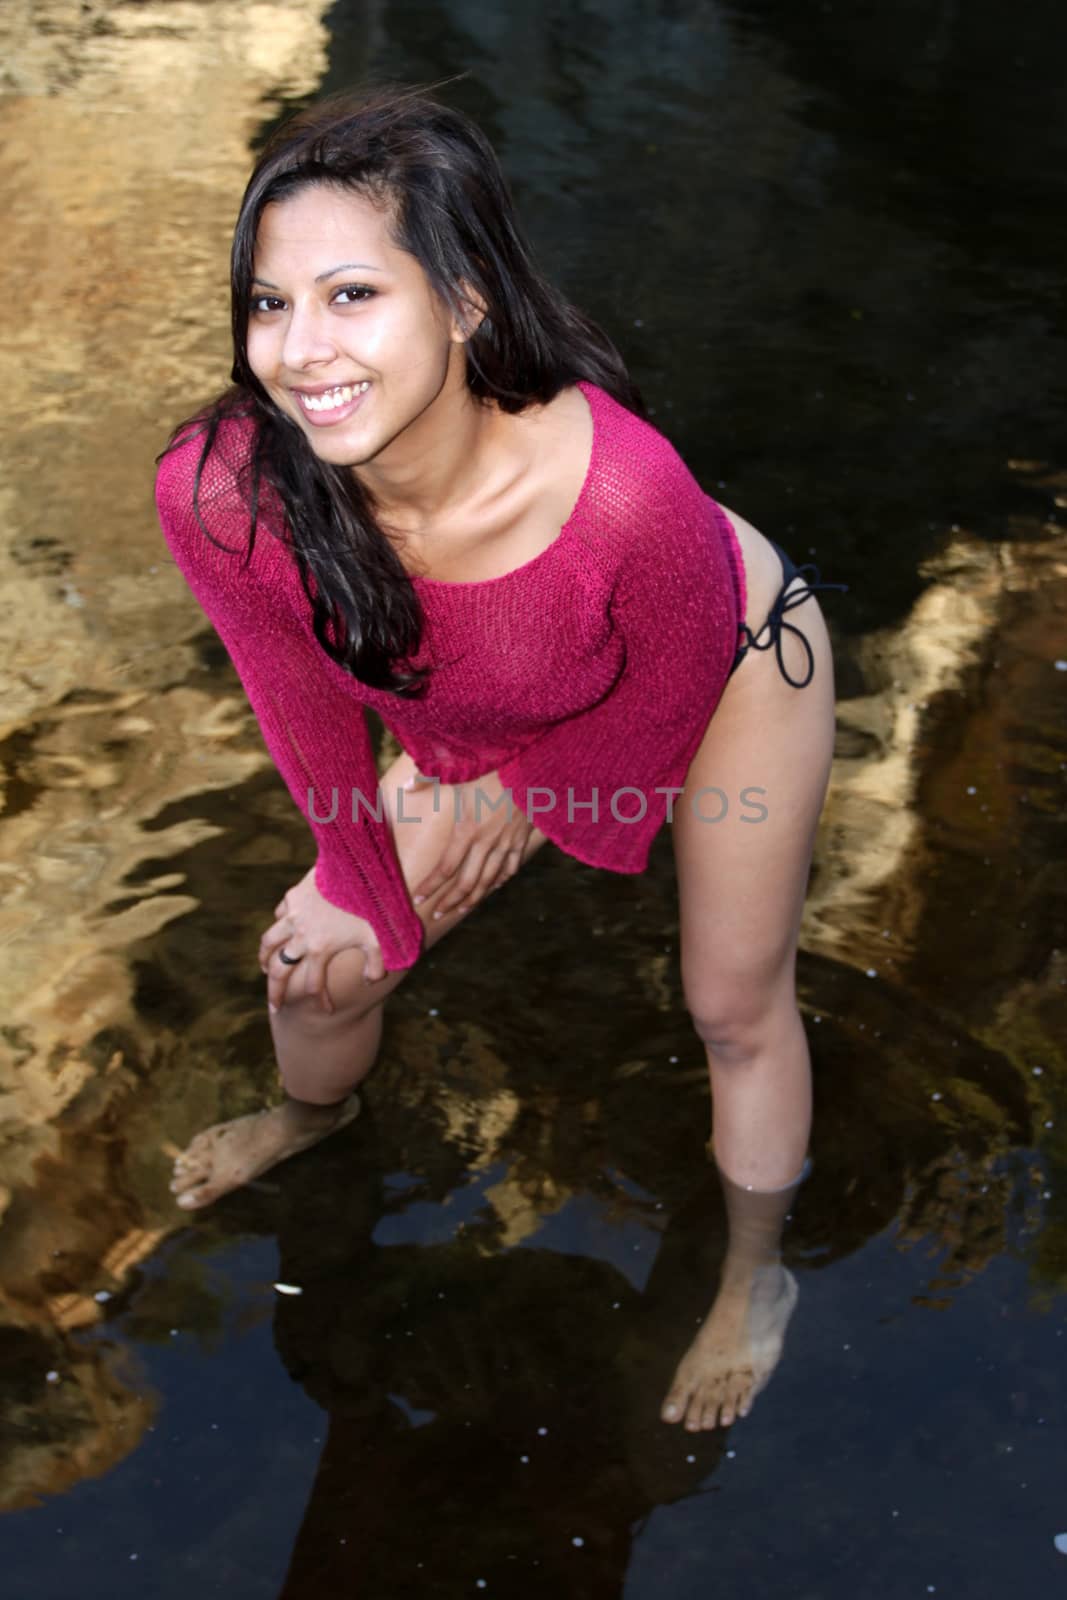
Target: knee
729,1035
741,1022
350,997
309,1018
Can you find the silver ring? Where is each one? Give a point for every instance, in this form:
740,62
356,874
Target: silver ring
290,961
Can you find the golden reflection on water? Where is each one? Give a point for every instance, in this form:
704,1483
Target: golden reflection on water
124,134
134,778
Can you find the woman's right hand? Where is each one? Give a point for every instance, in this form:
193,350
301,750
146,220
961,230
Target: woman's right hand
309,926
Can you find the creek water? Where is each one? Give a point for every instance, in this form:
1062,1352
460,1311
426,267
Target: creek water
830,242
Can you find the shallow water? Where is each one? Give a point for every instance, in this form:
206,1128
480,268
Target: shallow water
830,241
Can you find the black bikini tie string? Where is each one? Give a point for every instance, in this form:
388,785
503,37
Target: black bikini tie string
776,622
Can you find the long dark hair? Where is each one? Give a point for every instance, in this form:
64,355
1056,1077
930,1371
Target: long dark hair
450,208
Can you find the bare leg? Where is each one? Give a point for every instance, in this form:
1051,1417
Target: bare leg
741,892
323,1057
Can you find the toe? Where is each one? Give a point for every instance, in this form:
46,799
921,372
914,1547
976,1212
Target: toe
189,1187
202,1149
695,1413
188,1178
190,1170
711,1413
726,1400
674,1406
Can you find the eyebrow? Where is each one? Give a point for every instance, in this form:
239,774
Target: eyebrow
344,266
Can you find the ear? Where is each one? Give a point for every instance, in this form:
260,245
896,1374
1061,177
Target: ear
473,314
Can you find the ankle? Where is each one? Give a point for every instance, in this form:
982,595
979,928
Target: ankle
741,1267
313,1114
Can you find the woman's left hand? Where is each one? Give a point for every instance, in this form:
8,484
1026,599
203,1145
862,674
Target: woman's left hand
485,847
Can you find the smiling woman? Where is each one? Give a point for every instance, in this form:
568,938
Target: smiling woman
319,341
452,511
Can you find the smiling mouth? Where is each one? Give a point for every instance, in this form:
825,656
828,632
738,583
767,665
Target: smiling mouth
327,400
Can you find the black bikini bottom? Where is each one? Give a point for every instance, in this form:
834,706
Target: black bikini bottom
776,621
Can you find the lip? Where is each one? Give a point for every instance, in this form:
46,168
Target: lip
327,419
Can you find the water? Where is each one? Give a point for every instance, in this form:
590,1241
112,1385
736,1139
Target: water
830,242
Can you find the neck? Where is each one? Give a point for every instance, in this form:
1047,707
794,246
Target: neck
438,461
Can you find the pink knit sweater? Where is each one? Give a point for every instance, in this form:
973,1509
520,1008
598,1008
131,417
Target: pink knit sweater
591,669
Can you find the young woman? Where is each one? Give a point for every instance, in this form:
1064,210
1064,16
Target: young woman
431,491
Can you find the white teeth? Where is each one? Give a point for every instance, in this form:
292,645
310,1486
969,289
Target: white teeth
332,398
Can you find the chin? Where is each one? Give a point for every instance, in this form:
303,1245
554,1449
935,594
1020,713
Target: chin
339,454
336,447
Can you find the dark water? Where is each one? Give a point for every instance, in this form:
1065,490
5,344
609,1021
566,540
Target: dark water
830,240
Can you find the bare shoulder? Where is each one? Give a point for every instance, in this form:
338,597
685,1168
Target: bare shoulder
561,438
565,409
565,424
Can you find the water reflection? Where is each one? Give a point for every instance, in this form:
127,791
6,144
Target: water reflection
454,1374
523,1231
110,715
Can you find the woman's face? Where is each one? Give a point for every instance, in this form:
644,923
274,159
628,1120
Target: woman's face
345,333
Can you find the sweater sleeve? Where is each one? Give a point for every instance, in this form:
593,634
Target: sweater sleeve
590,782
314,728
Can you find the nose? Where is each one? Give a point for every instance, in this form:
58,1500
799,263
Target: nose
307,338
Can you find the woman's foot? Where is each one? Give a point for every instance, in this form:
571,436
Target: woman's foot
735,1351
233,1153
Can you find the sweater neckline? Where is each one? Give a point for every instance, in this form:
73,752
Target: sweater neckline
589,391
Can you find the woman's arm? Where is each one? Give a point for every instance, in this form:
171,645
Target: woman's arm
312,724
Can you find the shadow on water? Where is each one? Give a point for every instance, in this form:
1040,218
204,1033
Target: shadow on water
835,280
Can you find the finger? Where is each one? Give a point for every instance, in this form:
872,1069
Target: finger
508,868
463,884
282,908
520,836
445,869
463,880
492,875
275,936
315,980
278,975
267,949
